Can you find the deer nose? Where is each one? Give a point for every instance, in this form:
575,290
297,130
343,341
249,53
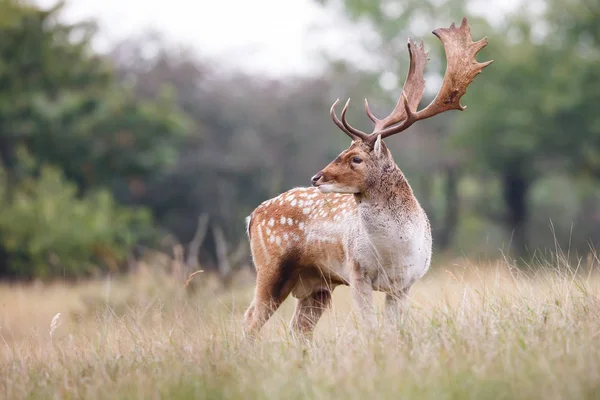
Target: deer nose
315,178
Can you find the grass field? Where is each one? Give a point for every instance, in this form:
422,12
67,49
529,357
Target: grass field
470,333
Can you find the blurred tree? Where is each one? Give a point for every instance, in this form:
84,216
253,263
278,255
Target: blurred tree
546,85
49,231
39,58
506,129
61,104
60,100
109,139
574,76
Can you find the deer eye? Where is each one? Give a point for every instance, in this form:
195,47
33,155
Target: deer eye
356,160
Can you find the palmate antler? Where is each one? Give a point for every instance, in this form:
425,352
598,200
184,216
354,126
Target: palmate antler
461,69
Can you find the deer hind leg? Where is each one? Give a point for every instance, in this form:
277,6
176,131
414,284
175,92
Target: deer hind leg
273,285
308,312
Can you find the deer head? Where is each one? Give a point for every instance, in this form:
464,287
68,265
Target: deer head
367,158
355,169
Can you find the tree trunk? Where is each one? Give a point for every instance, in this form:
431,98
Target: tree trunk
221,245
515,190
196,243
425,190
7,162
451,209
4,260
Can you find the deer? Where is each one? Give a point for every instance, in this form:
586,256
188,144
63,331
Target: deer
359,224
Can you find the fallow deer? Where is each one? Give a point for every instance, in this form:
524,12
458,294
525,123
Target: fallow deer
360,224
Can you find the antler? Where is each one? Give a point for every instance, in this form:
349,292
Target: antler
345,126
461,69
414,85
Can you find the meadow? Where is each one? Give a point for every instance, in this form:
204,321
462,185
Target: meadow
472,331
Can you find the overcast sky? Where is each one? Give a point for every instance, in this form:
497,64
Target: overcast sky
268,36
275,36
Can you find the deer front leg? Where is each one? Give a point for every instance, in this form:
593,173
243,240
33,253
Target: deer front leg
362,292
395,305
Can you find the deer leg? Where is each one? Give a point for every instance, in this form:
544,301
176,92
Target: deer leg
362,292
273,285
395,305
308,312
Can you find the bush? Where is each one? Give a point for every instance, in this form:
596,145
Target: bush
47,230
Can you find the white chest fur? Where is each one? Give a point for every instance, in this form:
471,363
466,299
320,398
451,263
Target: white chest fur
393,249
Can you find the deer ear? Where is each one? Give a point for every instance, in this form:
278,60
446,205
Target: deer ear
378,147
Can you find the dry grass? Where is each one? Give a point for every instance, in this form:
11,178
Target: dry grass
470,333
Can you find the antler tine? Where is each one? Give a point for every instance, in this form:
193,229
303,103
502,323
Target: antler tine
344,126
337,121
371,116
356,132
461,70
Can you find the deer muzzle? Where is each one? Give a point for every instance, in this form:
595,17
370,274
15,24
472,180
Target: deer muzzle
316,178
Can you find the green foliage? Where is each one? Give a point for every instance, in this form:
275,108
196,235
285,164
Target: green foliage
49,231
510,138
39,55
90,144
575,77
106,139
62,102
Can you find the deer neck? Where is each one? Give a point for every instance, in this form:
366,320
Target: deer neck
388,197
